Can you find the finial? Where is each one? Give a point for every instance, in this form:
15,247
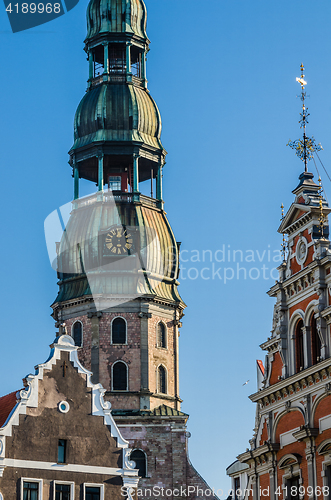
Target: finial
283,245
322,217
306,146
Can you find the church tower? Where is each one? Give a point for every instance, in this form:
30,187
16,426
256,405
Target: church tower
290,452
118,259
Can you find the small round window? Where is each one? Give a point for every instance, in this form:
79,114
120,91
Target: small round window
64,407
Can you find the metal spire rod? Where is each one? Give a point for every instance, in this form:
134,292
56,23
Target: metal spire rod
304,114
306,146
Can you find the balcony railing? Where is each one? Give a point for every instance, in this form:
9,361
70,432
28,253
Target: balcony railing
118,197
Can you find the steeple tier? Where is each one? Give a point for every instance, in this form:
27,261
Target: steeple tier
117,139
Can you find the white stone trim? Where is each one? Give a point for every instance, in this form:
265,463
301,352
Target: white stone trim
322,445
126,330
324,423
287,437
297,315
1,496
285,458
28,398
32,480
130,483
72,488
94,485
53,466
301,258
66,406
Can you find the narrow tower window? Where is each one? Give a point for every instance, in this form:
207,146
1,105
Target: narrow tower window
118,331
77,333
162,379
299,354
61,451
120,376
161,335
315,341
139,457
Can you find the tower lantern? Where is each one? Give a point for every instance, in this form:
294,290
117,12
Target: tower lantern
117,124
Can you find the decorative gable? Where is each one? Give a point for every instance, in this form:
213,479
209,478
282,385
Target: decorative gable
61,404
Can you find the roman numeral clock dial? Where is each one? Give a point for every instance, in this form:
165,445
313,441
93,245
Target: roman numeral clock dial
119,241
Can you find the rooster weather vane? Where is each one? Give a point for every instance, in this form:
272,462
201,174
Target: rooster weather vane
305,147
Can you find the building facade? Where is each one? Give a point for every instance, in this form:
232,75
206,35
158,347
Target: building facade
58,438
290,453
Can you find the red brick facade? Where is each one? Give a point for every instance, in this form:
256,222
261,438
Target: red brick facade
290,450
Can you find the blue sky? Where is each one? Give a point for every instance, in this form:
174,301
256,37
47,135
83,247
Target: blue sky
223,75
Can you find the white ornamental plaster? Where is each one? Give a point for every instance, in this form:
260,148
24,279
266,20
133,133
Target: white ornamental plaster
28,398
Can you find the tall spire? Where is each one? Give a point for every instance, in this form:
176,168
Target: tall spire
306,146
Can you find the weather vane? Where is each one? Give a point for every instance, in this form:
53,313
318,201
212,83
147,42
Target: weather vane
283,245
305,147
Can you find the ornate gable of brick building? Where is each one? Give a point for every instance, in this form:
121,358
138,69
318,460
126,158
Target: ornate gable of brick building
289,455
59,432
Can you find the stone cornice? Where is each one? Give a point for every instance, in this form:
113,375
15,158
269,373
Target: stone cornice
282,285
295,383
305,432
267,447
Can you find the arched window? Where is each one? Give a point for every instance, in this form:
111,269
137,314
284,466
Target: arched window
315,341
118,331
162,379
120,376
161,335
299,354
77,333
139,457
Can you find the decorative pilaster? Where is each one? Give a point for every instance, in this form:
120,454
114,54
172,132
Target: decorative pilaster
106,62
76,181
90,61
135,176
128,62
159,181
306,345
310,457
100,172
143,68
273,481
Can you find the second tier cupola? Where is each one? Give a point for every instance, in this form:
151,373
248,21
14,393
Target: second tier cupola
117,141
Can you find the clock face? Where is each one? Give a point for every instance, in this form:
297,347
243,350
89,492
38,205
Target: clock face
119,241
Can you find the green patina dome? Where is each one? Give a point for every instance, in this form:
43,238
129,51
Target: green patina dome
117,113
116,16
